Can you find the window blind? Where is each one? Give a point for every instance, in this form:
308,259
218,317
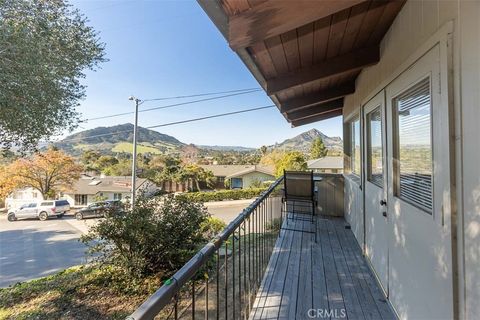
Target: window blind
413,146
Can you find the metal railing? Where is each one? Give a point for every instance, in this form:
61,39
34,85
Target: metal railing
221,280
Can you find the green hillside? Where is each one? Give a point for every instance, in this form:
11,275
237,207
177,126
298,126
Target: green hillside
117,139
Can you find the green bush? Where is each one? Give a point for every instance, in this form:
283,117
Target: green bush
158,237
212,226
235,194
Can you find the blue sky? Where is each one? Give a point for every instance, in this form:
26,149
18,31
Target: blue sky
170,48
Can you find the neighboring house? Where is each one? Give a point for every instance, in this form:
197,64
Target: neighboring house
240,176
86,190
20,197
326,165
89,189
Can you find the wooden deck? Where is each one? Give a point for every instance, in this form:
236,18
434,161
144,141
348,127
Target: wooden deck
328,279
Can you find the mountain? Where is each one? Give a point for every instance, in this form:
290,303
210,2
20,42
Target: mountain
118,139
303,142
226,148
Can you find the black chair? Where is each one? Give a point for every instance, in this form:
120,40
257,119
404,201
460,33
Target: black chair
299,199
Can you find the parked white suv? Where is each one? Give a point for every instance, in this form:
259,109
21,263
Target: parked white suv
41,210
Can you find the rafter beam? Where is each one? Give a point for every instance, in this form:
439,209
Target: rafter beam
323,116
352,61
275,17
317,97
316,110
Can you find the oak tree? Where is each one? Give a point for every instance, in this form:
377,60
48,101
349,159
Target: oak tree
45,48
49,173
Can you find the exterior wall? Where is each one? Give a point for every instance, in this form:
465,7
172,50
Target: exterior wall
71,199
354,208
20,197
417,21
250,178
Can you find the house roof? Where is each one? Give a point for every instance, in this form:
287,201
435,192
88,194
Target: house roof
326,163
233,169
305,54
255,168
94,185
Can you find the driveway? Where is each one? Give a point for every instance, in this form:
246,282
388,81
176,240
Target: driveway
31,249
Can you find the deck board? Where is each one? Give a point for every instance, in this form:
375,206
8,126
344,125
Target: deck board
329,275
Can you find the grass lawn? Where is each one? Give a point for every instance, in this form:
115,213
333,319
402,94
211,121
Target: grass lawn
128,147
83,292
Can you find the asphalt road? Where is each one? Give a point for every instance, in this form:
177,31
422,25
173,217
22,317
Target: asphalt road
31,249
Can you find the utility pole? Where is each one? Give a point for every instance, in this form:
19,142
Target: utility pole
134,158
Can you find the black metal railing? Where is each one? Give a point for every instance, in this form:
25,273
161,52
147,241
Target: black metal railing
222,279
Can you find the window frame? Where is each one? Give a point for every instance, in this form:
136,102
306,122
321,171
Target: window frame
368,158
80,196
396,146
352,143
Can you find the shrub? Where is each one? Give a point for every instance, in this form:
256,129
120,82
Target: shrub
157,237
212,226
235,194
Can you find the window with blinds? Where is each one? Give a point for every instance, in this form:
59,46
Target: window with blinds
413,146
375,147
355,146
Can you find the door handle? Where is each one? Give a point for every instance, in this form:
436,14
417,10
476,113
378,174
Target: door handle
383,202
384,213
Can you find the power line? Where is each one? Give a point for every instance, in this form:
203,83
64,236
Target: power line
170,105
202,94
174,123
210,117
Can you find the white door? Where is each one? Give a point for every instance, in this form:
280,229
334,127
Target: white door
420,253
376,218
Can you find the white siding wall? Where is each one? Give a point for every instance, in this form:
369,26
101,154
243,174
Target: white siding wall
354,208
252,177
417,21
21,197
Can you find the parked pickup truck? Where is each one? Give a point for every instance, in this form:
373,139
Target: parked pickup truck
40,210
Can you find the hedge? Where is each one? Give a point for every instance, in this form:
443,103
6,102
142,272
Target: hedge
234,194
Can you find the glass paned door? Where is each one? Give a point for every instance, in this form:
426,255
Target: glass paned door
376,218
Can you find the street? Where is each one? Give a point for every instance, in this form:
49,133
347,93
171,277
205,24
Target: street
32,249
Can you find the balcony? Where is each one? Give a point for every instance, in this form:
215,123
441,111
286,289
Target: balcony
258,268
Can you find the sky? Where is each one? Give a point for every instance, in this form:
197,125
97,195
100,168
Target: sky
169,48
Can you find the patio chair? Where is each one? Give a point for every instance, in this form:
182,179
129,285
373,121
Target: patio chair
299,199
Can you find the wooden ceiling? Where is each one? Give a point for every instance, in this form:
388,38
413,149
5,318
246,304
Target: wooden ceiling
306,54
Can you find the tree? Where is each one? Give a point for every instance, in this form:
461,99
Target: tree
293,160
198,174
45,48
88,159
7,184
271,159
318,149
103,162
48,172
122,168
263,150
